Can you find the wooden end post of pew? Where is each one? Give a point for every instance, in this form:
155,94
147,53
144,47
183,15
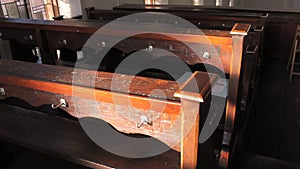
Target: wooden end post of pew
238,33
191,98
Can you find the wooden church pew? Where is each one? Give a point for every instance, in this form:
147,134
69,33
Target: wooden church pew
230,46
45,84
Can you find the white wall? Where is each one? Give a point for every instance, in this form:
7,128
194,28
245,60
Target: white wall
108,4
292,4
270,4
210,2
70,8
180,2
264,4
131,1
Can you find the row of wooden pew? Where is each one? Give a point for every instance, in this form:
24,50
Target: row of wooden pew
210,18
238,47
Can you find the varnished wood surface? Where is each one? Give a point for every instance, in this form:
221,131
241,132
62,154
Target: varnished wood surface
87,78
